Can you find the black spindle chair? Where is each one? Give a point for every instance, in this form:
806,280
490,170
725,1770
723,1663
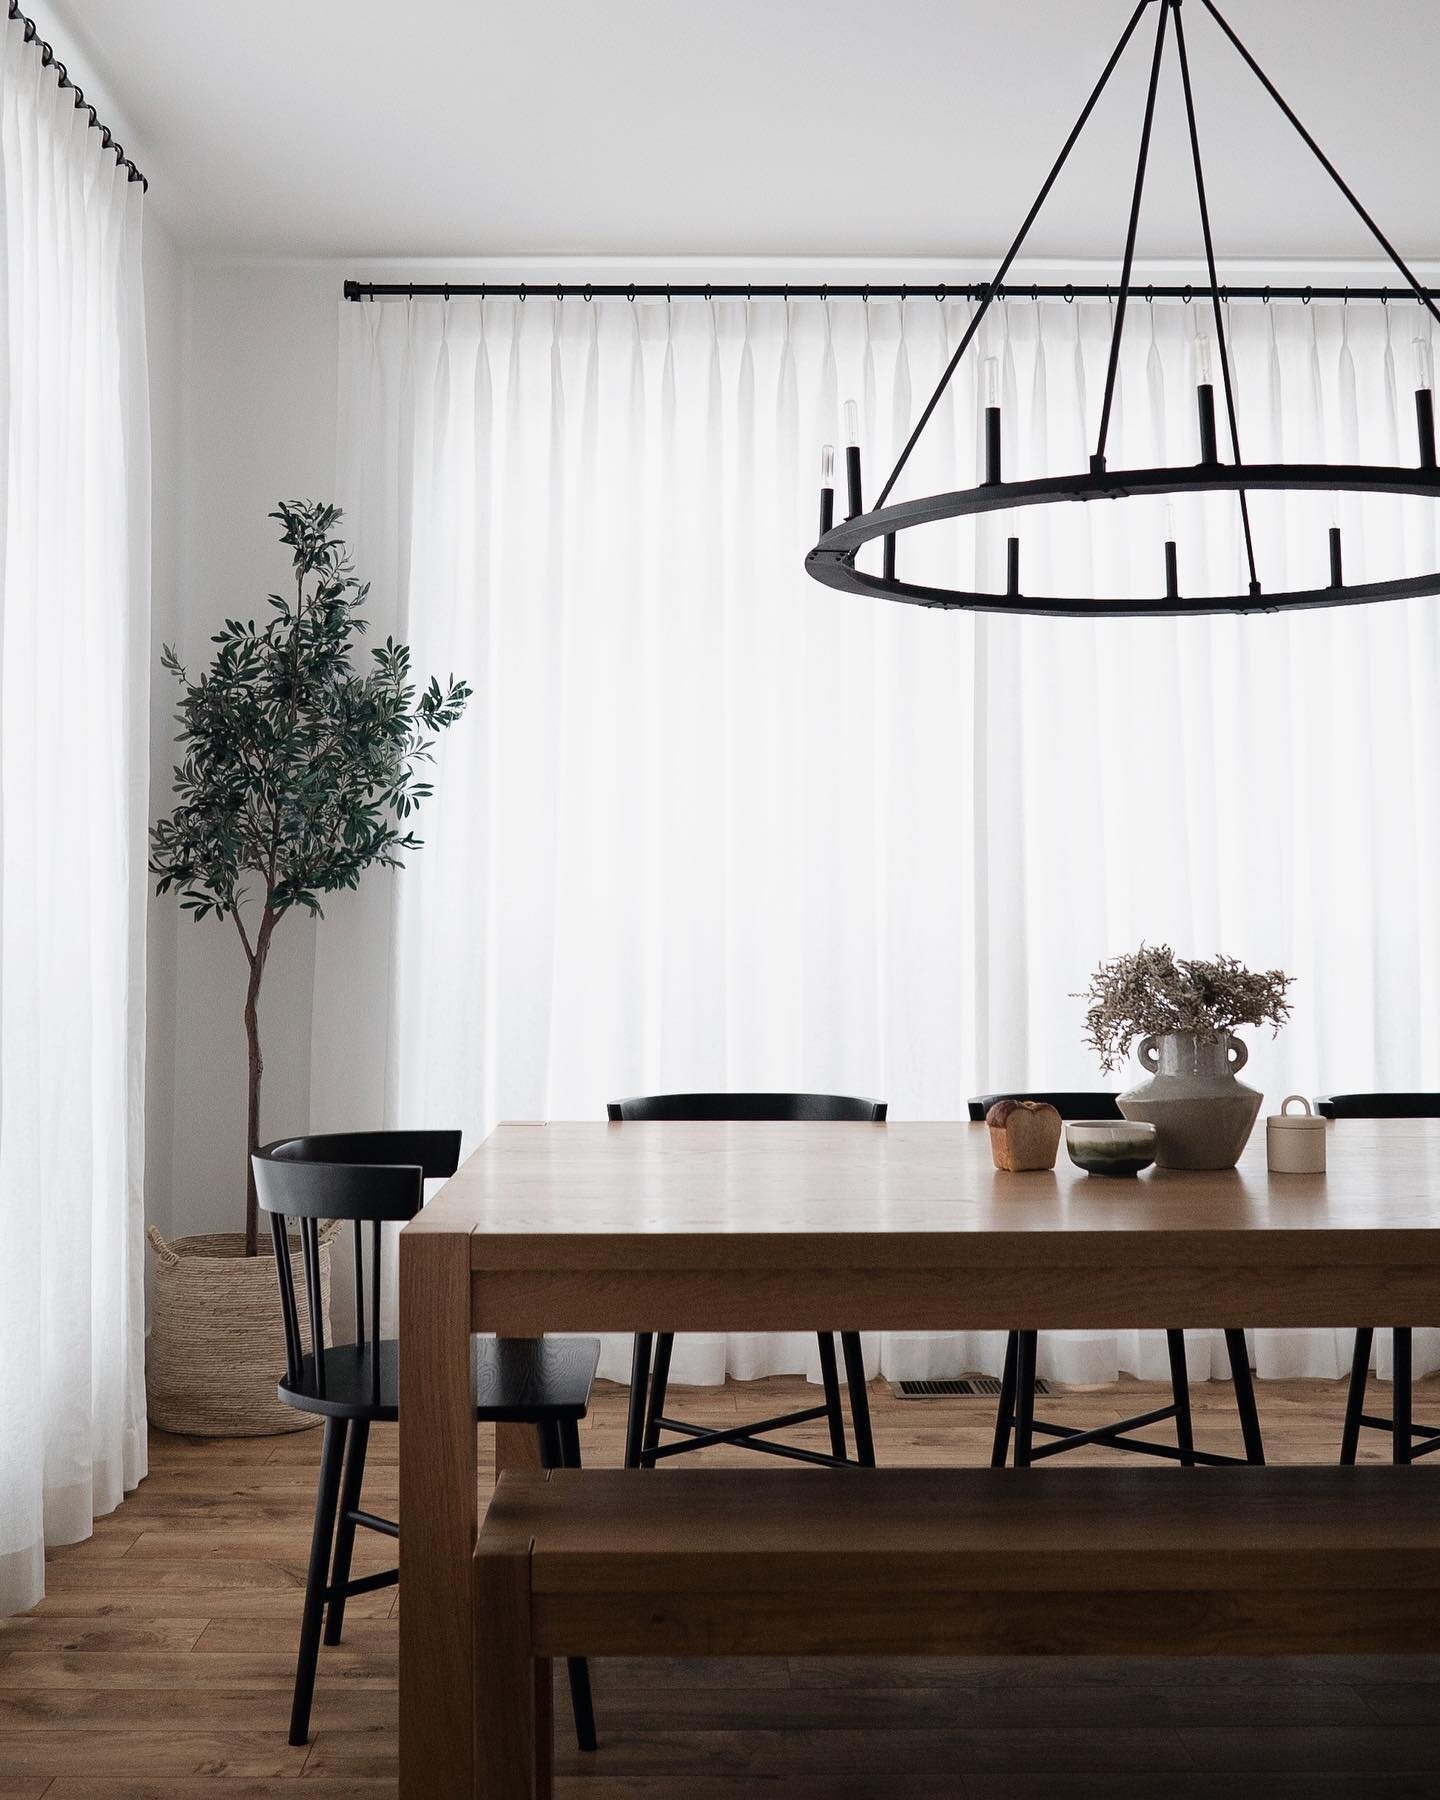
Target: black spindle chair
1016,1410
1407,1439
375,1178
648,1388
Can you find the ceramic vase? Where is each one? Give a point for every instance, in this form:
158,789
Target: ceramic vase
1202,1115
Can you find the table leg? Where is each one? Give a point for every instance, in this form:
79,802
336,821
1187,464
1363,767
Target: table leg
438,1515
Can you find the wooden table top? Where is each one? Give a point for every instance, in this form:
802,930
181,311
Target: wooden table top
841,1195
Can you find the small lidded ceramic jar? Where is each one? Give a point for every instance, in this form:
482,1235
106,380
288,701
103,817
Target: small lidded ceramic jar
1295,1142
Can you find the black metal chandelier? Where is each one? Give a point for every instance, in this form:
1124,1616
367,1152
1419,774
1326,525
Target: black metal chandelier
833,559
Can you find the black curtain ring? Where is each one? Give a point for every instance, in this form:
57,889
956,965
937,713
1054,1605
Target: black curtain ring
1384,296
411,294
1188,295
1265,297
1150,294
559,290
446,295
522,293
587,293
1306,297
1069,293
1034,292
865,293
707,291
940,292
630,293
904,292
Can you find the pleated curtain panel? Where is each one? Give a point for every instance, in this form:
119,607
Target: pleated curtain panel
74,587
710,825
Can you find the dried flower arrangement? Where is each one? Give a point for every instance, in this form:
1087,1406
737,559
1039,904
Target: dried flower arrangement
1150,993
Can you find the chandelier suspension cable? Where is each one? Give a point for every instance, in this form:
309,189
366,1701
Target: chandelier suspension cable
1421,294
1220,335
979,315
1097,461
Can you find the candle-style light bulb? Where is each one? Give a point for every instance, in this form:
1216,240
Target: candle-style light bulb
1425,401
827,488
992,381
852,459
1202,359
1172,563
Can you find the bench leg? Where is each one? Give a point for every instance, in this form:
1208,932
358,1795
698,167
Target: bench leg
513,1726
1355,1398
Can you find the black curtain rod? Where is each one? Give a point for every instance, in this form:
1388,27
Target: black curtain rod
870,290
49,59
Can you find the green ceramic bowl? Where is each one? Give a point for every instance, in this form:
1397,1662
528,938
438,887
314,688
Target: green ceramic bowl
1110,1146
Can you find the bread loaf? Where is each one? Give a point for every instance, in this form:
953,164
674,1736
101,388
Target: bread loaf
1024,1134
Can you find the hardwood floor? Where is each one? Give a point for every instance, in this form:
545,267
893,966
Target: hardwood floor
158,1666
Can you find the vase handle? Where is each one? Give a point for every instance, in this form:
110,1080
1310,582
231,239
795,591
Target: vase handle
1149,1055
1238,1053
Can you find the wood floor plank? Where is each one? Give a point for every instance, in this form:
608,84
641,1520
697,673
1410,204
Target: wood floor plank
158,1666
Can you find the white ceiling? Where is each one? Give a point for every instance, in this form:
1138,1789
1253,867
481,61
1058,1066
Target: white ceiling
748,127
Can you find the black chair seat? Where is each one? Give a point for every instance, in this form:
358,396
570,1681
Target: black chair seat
1068,1105
517,1381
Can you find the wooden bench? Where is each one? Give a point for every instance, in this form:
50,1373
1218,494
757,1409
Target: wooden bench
934,1562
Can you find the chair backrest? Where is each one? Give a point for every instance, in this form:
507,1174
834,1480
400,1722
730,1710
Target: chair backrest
367,1177
1069,1106
1378,1106
829,1107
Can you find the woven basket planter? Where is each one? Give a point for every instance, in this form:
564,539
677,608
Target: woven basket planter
217,1347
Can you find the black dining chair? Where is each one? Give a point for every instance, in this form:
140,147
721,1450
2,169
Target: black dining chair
1407,1439
374,1178
648,1387
1015,1412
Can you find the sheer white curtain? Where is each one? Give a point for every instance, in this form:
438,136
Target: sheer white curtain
711,825
74,606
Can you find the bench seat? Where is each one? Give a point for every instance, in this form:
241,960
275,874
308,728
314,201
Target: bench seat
935,1562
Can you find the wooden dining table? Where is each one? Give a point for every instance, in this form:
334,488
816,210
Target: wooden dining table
821,1227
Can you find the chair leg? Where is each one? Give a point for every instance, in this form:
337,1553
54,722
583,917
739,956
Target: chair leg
1180,1391
639,1388
830,1380
345,1527
659,1387
560,1449
1245,1396
859,1398
1005,1410
1355,1397
327,1496
1027,1343
1400,1423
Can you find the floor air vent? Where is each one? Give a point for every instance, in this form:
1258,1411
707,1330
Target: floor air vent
971,1387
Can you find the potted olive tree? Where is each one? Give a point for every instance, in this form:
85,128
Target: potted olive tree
300,765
